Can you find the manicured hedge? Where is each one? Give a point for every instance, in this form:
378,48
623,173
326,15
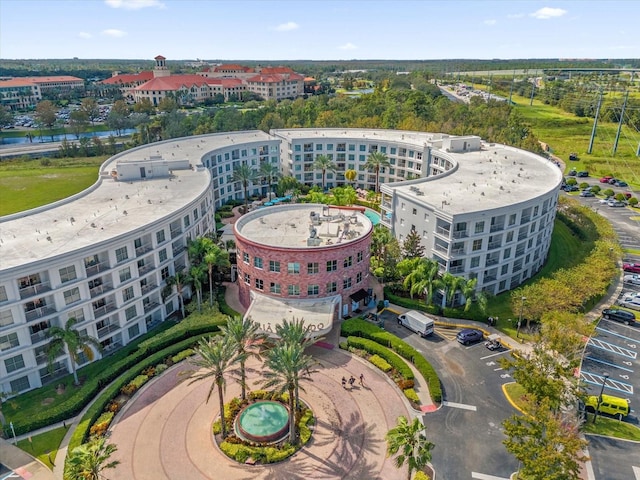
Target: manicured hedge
361,328
411,394
380,363
473,313
391,358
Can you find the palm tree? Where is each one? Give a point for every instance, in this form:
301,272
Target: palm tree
449,284
70,341
247,340
285,364
468,289
215,258
215,357
89,460
409,439
197,274
269,172
245,174
375,161
380,238
324,163
420,276
351,175
179,280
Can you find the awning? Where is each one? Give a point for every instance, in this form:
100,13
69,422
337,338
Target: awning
359,295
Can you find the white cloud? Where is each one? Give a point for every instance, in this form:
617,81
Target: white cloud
515,15
287,27
548,12
490,22
85,35
112,32
348,46
134,4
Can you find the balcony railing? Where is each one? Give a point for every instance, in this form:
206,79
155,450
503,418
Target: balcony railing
107,329
50,376
103,310
489,278
494,245
497,227
445,232
150,306
147,288
38,336
42,358
96,268
144,269
457,251
458,269
175,232
492,261
460,234
39,313
36,289
525,219
112,347
177,250
522,236
519,252
100,289
441,248
142,249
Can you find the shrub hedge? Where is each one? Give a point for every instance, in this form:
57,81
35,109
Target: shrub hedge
380,363
358,327
411,394
387,355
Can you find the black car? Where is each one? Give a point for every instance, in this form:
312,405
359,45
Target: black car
469,335
582,174
570,188
624,316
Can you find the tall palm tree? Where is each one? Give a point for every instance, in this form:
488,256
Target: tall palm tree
245,174
380,238
215,356
247,340
286,364
197,274
269,172
409,439
70,341
324,163
197,249
215,258
449,284
375,161
89,460
351,175
420,276
179,280
468,289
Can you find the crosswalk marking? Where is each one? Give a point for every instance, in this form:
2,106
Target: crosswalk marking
482,476
460,405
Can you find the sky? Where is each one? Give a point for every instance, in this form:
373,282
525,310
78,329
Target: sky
318,30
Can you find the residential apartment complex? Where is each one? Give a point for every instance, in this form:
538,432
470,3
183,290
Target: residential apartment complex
102,256
25,92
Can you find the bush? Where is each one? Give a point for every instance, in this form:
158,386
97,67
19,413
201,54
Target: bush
369,346
182,355
160,368
421,476
102,424
380,363
410,303
404,384
411,394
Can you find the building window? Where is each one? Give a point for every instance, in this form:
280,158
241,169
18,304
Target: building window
274,288
71,296
477,245
505,269
67,274
512,219
332,265
245,257
127,294
313,290
259,284
479,227
247,279
121,254
130,313
9,341
3,294
347,262
507,253
360,256
293,290
257,262
160,236
359,277
274,266
6,318
20,384
14,363
346,283
187,221
134,331
164,273
414,211
509,237
332,287
475,262
293,267
312,268
125,274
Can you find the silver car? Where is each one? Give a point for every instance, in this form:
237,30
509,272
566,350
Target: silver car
632,302
632,279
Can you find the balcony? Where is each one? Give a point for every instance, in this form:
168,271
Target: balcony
39,313
144,269
522,236
100,289
38,336
112,347
175,232
441,248
519,252
445,232
177,250
492,261
460,234
42,358
107,329
148,306
31,290
525,219
142,249
103,310
496,228
457,251
458,269
147,288
489,278
493,245
96,268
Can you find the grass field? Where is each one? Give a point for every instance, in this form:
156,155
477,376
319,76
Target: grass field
26,184
44,446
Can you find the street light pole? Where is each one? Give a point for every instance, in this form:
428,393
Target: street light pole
520,317
604,381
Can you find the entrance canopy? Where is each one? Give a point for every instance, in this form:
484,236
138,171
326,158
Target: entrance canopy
359,295
318,314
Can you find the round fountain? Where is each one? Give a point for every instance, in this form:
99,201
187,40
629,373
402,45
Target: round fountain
263,422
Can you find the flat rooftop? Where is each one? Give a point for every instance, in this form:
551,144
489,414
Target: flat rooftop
493,177
290,226
372,134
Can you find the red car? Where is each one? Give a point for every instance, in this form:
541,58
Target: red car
605,179
631,267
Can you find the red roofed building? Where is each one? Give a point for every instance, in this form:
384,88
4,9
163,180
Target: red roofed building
24,92
188,89
126,82
276,86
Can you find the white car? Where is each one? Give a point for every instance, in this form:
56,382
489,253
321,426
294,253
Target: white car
633,279
632,302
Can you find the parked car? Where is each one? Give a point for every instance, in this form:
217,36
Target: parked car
631,267
573,156
612,181
632,279
572,172
615,203
620,183
630,301
624,316
570,188
604,201
587,193
609,404
605,179
469,335
583,173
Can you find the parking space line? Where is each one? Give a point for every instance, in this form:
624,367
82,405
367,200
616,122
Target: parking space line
610,347
611,332
636,472
595,379
494,355
482,476
460,405
609,364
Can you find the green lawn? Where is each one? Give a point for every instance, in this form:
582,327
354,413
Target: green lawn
29,184
44,446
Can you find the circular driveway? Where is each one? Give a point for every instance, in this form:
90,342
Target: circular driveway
165,431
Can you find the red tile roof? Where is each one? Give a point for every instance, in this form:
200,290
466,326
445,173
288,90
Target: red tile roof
233,66
270,70
274,78
173,82
225,82
159,57
126,78
17,82
54,78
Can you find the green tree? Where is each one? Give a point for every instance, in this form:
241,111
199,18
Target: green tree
145,106
287,185
376,161
90,108
410,445
6,118
412,245
216,258
245,174
197,275
547,444
351,175
324,163
90,460
46,115
449,284
70,341
468,289
168,104
420,276
245,335
179,280
118,118
215,357
269,172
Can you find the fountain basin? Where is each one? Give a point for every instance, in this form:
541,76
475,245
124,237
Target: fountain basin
263,422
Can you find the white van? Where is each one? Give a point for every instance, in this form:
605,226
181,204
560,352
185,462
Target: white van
418,322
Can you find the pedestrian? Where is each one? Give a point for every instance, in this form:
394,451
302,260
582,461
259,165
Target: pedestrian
362,379
490,321
344,382
352,380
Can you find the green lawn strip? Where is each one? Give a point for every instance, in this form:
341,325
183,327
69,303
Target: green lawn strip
44,446
46,133
604,426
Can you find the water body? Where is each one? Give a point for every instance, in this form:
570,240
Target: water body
58,138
